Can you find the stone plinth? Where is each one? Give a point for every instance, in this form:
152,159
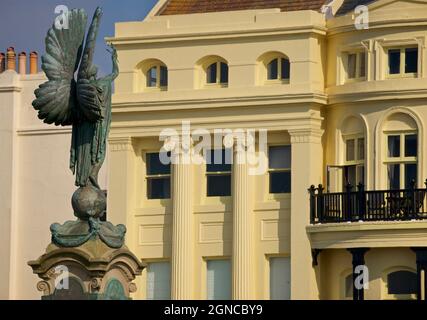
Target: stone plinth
92,271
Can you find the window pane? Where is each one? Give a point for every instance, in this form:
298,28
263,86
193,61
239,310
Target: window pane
360,174
219,185
393,146
351,66
280,279
350,176
411,60
402,282
362,70
350,156
218,160
394,61
219,280
285,69
279,157
411,145
155,166
152,77
360,149
273,70
158,188
410,174
394,176
158,281
349,286
211,73
280,182
224,72
163,76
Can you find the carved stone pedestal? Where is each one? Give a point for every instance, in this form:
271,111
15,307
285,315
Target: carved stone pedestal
91,271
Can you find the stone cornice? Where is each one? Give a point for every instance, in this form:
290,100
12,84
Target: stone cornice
140,105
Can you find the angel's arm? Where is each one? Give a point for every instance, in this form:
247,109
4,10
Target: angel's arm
115,71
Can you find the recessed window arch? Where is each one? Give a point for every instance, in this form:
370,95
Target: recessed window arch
274,67
400,283
212,71
151,74
400,154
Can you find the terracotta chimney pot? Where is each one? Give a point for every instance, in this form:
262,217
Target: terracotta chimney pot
33,62
22,63
11,59
2,62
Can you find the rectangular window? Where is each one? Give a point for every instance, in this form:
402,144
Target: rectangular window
158,281
280,279
218,171
394,61
394,176
411,145
401,159
411,60
354,168
218,280
352,62
394,146
356,65
279,163
403,61
158,177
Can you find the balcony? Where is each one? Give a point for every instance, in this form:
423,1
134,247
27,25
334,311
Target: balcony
357,204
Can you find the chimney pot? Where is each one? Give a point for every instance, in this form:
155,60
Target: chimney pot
22,63
11,59
33,62
2,62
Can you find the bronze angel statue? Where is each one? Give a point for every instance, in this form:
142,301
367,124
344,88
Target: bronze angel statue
73,95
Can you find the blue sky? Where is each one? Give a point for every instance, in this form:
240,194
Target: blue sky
24,23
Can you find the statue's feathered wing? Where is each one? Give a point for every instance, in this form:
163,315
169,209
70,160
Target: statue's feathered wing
56,98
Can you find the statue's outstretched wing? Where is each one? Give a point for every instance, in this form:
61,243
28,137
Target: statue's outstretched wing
55,99
89,94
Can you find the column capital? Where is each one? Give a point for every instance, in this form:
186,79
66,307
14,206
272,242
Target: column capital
121,143
306,135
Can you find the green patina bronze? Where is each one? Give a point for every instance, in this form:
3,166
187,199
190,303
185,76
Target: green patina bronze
73,95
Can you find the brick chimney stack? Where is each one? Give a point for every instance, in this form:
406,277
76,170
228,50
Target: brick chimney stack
2,62
33,62
11,59
22,63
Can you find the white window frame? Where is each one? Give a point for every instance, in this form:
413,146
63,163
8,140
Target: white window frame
402,73
279,71
356,161
154,176
402,160
358,76
218,83
158,85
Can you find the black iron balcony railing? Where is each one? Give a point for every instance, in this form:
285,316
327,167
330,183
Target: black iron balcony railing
361,205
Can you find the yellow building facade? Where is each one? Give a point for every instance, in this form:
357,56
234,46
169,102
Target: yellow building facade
340,93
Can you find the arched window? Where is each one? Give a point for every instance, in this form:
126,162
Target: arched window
211,72
151,74
217,73
402,284
157,76
401,154
278,69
